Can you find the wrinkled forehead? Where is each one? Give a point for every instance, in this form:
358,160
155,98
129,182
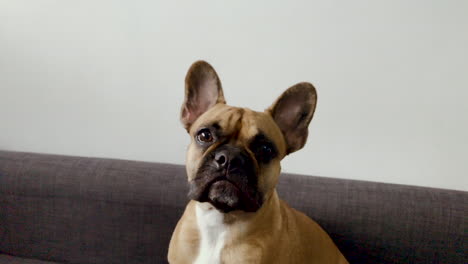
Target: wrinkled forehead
241,124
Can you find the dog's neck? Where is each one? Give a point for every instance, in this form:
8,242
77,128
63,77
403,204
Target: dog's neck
213,231
218,229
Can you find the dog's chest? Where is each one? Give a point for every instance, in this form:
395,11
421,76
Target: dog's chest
213,233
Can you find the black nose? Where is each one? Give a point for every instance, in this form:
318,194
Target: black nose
221,158
230,158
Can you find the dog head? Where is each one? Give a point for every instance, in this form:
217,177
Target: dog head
233,160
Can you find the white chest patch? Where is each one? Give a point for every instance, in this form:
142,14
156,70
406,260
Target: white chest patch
213,234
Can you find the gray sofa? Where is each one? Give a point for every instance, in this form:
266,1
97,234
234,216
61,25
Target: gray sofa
62,209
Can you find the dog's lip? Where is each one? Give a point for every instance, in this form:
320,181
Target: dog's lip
244,197
223,178
247,197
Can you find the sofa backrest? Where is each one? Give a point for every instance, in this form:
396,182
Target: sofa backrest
384,223
92,210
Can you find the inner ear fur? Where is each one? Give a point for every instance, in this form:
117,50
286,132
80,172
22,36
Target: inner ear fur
202,91
292,112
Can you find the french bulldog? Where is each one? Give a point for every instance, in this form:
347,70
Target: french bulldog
233,164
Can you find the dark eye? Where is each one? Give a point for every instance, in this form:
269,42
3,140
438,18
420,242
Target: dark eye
265,150
205,135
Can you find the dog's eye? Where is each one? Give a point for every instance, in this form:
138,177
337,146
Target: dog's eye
265,150
205,135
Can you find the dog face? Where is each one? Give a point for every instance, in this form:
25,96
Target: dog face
233,160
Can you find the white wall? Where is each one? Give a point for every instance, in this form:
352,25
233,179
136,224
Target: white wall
105,78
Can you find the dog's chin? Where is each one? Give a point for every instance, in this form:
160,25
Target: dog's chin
225,196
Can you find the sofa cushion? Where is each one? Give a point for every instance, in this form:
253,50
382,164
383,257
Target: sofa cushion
384,223
7,259
86,210
92,210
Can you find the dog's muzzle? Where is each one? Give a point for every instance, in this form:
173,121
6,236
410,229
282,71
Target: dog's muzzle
228,180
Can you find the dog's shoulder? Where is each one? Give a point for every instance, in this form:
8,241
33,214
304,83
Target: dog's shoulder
185,240
309,239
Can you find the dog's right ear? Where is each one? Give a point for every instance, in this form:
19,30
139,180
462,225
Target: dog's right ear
202,91
292,112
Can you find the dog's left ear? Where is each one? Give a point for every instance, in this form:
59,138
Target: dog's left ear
202,91
292,112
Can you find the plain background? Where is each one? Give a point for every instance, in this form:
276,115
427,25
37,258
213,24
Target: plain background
105,78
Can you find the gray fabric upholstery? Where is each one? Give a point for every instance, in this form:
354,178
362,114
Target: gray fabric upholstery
80,210
91,210
7,259
384,223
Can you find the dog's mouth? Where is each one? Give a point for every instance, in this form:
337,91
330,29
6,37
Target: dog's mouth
225,194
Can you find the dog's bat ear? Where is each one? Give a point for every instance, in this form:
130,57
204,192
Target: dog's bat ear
202,91
292,112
